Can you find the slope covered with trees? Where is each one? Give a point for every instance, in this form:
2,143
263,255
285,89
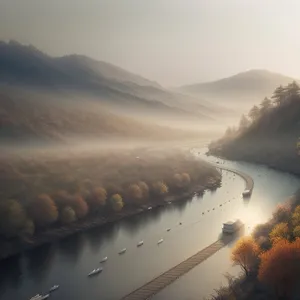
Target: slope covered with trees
269,134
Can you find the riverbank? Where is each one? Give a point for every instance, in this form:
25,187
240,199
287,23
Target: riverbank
53,235
256,161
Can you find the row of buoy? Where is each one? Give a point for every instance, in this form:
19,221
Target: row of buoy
139,244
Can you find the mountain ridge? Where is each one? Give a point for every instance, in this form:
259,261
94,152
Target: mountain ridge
27,66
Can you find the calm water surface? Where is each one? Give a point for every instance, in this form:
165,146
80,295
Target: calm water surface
68,262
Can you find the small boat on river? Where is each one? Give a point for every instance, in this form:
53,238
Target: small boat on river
122,251
160,241
150,207
168,229
232,226
141,243
246,193
40,297
95,271
104,259
54,288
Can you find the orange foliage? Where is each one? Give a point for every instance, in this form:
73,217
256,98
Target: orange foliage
160,188
280,231
145,189
135,193
99,196
80,206
186,179
62,198
280,267
43,210
245,254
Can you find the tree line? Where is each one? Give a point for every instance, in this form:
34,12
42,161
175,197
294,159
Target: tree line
280,96
63,208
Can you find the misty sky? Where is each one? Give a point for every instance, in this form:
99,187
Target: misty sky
171,41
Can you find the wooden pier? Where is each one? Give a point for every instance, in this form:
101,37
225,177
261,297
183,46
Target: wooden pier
157,284
249,183
151,288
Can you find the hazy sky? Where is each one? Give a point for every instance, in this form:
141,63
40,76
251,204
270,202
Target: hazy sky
171,41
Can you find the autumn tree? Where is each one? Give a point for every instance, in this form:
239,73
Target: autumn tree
160,188
116,202
261,230
177,179
43,210
12,218
28,228
98,197
186,179
280,268
254,113
296,232
296,218
62,198
297,209
280,231
80,206
135,193
144,188
67,215
245,254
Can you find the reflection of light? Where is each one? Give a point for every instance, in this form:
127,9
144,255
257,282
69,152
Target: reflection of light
250,216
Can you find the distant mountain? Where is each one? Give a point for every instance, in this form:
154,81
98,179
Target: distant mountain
249,87
118,90
30,117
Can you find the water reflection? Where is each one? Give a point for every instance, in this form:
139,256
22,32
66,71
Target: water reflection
11,273
71,247
97,237
39,261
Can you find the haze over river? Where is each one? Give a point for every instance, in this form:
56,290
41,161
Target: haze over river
68,262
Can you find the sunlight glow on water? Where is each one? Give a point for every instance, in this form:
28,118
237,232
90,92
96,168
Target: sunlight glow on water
67,262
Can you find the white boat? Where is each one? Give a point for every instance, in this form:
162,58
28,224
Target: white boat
150,207
122,251
104,259
141,243
160,241
95,271
40,297
36,297
246,193
54,288
232,226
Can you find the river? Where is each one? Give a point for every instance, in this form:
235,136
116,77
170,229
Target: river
68,262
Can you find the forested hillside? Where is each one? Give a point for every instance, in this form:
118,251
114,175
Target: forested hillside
269,134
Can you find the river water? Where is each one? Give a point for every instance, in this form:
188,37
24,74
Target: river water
68,262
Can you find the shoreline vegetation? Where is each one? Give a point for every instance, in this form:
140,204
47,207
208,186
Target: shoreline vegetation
269,135
269,258
42,202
